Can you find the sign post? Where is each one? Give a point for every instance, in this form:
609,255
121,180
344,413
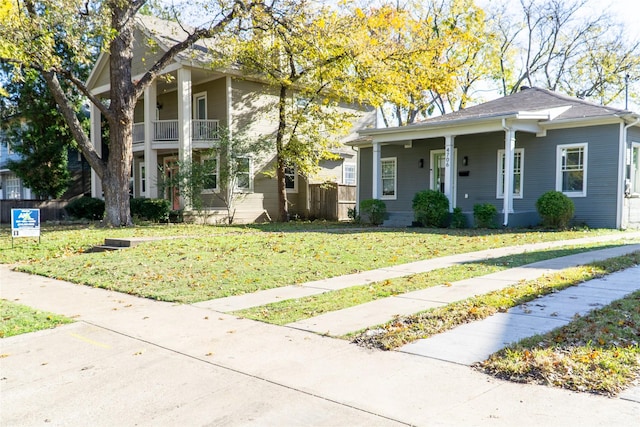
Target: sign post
25,223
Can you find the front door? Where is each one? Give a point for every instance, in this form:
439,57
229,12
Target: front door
438,176
172,193
438,162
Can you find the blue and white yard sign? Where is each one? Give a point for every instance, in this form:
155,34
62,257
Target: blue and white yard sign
25,223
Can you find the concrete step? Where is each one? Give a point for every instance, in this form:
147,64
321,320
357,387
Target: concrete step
105,248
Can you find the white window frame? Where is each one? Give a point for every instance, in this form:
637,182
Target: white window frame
293,171
634,173
563,148
394,161
250,173
203,159
501,174
196,98
13,187
143,179
347,170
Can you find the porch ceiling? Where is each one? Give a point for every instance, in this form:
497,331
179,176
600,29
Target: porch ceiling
404,135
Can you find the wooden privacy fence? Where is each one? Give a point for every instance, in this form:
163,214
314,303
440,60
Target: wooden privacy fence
50,210
331,201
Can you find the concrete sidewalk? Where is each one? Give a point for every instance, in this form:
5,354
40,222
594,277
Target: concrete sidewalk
341,322
482,338
132,361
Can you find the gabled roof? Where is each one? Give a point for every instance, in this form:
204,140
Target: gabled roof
532,99
530,110
164,34
168,33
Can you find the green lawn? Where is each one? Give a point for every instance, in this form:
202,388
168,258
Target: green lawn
220,261
19,319
210,262
293,310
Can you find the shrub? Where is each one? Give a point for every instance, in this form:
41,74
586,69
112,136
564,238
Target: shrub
176,216
353,215
458,220
484,215
156,210
374,210
431,208
86,208
555,209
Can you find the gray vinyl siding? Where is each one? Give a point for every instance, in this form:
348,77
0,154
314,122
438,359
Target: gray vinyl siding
216,99
480,185
597,209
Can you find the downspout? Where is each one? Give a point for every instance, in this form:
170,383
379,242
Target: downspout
624,174
508,171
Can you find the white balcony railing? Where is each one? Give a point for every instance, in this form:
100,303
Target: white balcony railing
204,130
167,130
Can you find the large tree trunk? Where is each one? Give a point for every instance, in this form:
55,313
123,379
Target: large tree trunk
115,182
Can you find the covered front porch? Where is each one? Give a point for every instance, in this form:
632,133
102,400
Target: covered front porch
182,112
406,160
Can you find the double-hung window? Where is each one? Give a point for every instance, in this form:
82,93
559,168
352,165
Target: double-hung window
349,174
291,179
389,178
211,172
518,164
571,169
243,173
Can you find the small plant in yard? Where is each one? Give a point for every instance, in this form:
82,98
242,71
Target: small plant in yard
484,215
374,210
458,220
555,209
353,215
89,208
430,208
156,210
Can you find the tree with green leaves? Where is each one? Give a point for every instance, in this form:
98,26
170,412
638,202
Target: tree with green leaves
40,135
420,56
30,37
303,52
230,159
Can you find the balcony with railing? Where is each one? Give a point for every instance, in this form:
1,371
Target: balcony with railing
165,132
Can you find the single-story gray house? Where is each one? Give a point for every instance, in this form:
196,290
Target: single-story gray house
508,152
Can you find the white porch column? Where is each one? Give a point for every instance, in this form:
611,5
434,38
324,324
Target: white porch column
185,146
376,184
449,169
509,148
96,140
150,155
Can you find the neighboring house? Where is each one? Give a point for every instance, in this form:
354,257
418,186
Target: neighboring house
11,187
178,119
508,152
14,194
